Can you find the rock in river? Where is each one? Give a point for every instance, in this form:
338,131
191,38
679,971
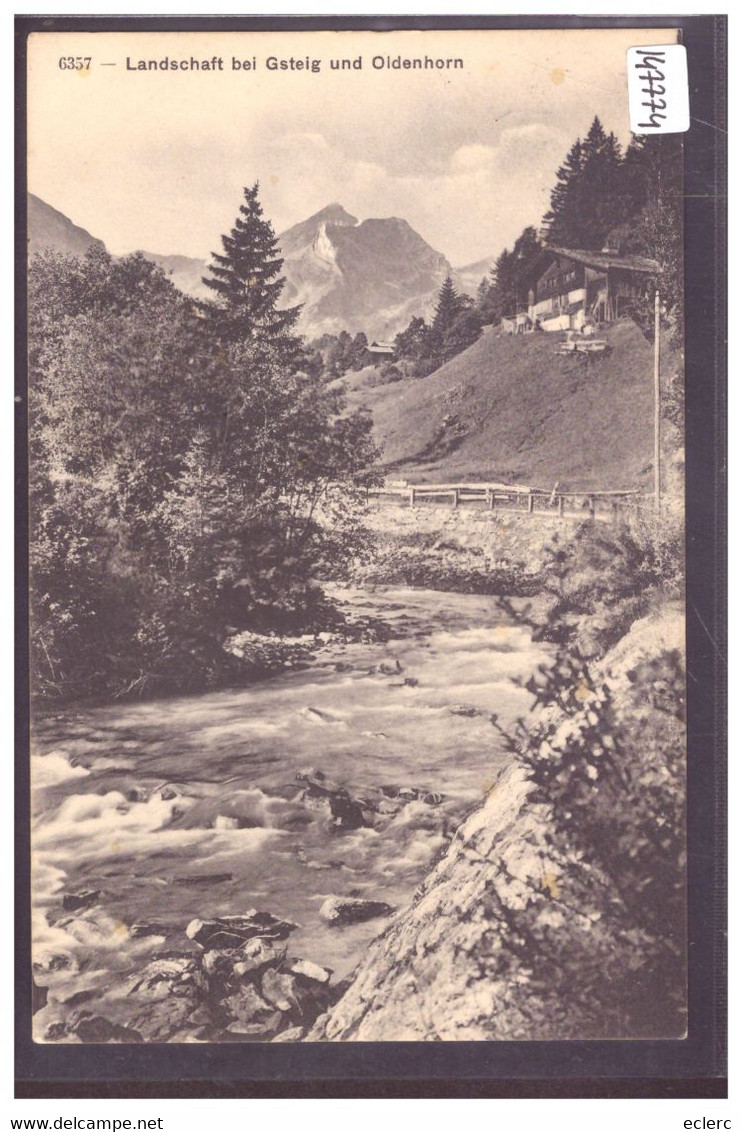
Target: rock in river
338,910
227,933
74,901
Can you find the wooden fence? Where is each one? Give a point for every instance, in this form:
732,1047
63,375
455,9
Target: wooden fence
605,506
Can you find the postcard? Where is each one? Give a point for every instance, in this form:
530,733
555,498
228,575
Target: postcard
357,535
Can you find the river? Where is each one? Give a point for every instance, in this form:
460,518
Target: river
190,807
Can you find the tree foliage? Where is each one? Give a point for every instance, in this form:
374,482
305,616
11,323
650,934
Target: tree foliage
591,195
456,324
246,278
504,294
186,481
604,752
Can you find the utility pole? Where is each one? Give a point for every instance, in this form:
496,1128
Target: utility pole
657,478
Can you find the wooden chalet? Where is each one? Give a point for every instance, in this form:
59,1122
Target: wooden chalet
565,288
378,352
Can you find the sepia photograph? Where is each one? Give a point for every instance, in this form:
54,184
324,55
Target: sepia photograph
357,538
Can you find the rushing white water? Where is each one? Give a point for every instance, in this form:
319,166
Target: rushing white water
190,807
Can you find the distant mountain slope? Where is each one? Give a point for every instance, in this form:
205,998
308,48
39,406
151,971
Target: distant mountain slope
511,410
185,272
472,274
48,228
373,276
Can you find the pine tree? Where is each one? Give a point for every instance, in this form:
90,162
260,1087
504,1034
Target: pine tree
563,216
506,286
601,190
247,281
447,308
591,196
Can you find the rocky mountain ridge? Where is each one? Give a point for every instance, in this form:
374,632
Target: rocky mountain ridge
372,275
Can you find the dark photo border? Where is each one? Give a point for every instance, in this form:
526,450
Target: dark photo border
691,1068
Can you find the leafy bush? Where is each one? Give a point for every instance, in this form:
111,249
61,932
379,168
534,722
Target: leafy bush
605,753
610,770
386,374
598,580
183,487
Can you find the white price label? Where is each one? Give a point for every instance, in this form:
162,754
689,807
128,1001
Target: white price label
658,89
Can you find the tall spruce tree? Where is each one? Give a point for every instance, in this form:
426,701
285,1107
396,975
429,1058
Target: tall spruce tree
506,286
246,279
563,216
447,308
602,196
590,197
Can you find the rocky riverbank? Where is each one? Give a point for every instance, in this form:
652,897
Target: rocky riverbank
467,550
320,797
519,934
232,978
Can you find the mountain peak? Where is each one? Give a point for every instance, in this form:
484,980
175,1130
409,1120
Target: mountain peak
50,228
333,214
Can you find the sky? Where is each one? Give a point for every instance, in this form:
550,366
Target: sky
156,160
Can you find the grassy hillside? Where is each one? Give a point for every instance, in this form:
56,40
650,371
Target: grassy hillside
511,409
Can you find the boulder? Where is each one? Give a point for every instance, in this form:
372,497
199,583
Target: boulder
263,1031
161,1021
247,1005
218,966
74,901
346,813
467,710
293,1034
279,990
143,928
163,977
309,970
339,910
228,933
255,956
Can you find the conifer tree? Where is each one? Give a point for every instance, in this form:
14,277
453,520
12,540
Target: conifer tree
563,216
506,286
246,279
447,308
591,194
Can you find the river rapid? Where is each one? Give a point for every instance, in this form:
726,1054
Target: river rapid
190,807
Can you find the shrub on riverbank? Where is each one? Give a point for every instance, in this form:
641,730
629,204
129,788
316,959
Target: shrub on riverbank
597,580
432,561
558,911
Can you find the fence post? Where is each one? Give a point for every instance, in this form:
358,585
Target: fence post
591,505
412,497
455,497
561,506
530,502
491,499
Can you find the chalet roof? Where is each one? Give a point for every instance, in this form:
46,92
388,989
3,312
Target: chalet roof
544,255
608,259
